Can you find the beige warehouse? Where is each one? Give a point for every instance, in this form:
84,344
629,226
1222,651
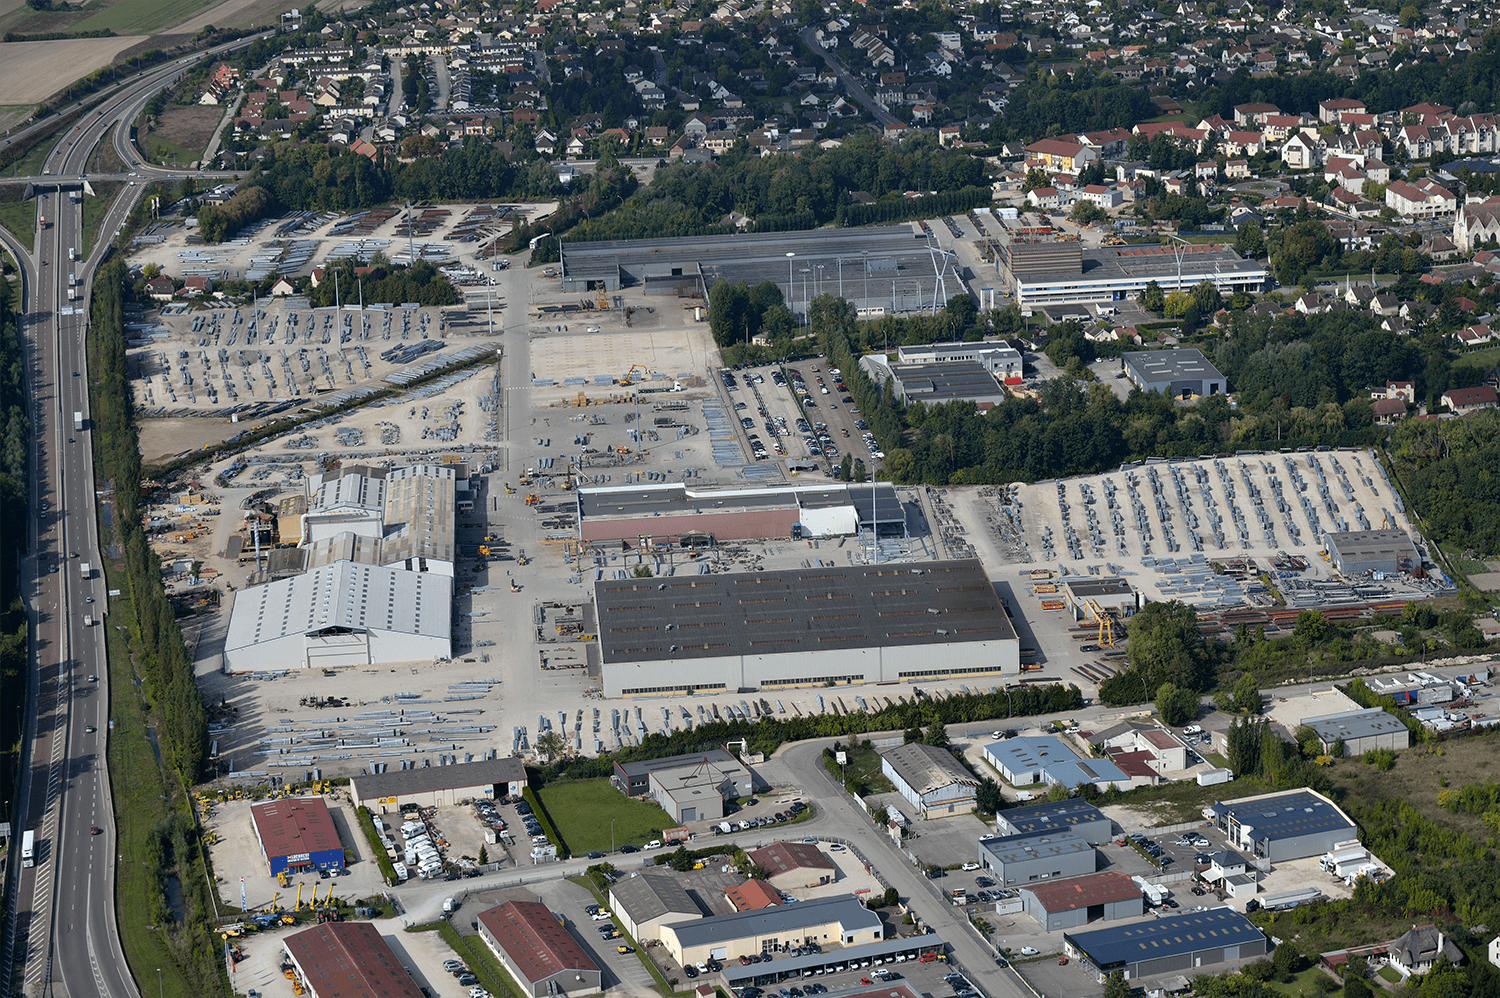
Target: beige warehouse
645,903
829,922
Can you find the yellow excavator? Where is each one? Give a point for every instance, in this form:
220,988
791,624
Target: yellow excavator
509,489
625,378
532,499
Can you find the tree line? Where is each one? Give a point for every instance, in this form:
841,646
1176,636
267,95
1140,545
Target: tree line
161,658
767,734
421,283
15,438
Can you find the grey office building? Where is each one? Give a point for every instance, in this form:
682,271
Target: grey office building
1085,819
1179,944
1292,825
1023,859
1182,372
1358,552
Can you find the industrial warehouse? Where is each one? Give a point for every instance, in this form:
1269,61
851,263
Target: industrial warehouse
1171,945
437,786
831,921
1281,826
879,268
673,514
297,834
537,950
817,626
1064,273
1181,373
370,581
348,960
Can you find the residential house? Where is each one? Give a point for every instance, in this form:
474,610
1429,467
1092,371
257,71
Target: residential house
1424,198
1467,400
1057,155
1329,111
1418,950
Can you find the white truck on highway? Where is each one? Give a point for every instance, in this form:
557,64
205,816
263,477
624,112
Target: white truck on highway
85,570
78,421
88,620
28,848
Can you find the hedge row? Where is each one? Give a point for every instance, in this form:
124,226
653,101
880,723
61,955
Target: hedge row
548,826
377,847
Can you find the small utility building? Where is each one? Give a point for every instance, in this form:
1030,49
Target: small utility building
1085,819
1360,731
1045,759
1360,552
1181,373
645,903
1025,859
437,786
1176,944
790,865
348,960
1281,826
930,777
1067,904
297,835
537,950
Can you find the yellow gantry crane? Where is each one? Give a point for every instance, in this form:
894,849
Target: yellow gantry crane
1104,620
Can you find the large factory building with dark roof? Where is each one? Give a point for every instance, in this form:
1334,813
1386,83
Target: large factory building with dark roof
802,627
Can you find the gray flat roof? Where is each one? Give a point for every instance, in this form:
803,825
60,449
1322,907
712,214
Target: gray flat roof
508,769
777,920
946,381
1384,544
1020,848
718,758
1048,816
1285,816
677,499
735,973
1365,723
1150,263
892,253
1177,935
798,610
1094,588
1176,364
651,895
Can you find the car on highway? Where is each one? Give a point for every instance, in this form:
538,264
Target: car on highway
89,729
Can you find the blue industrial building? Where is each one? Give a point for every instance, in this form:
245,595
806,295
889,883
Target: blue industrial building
297,835
1179,944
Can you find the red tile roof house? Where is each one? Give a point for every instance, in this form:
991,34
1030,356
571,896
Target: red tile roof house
1466,400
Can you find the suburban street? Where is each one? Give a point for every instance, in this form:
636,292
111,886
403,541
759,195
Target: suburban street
851,86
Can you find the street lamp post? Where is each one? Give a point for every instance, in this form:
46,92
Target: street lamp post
867,278
791,296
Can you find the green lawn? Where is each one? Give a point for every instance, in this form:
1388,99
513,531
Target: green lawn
94,210
139,17
165,153
30,165
1305,984
1479,358
863,766
20,218
585,811
1389,974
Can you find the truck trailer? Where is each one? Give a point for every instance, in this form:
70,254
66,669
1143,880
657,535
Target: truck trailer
78,421
28,848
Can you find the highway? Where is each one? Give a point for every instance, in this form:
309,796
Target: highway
62,938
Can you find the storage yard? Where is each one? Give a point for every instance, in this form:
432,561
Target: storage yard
619,389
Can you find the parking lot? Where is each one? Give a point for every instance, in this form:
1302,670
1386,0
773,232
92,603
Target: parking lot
801,413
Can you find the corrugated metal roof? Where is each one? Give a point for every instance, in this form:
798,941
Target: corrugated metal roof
535,941
295,825
349,960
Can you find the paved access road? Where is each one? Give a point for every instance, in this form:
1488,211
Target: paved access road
62,937
852,87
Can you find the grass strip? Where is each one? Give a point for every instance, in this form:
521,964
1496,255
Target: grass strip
20,218
94,211
476,952
640,951
377,847
548,827
599,817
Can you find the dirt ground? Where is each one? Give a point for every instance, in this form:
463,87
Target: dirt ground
163,439
238,854
189,127
33,71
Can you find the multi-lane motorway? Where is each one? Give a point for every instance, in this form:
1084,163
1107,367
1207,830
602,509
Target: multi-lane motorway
62,937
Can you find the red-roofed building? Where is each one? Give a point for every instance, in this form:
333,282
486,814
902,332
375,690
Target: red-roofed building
1067,904
297,834
348,960
790,865
753,894
1137,766
1465,400
1388,410
537,950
